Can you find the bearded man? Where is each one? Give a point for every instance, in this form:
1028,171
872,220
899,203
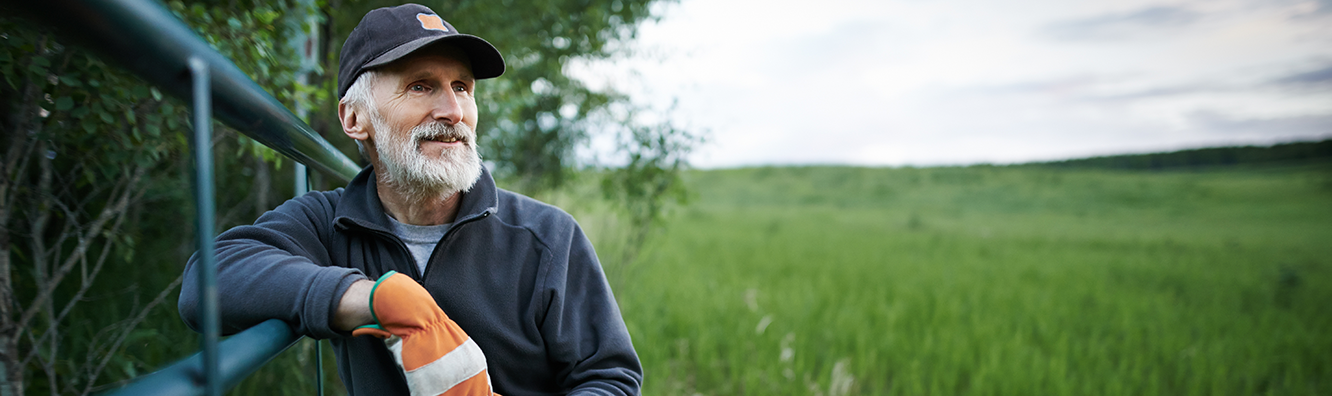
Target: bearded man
473,286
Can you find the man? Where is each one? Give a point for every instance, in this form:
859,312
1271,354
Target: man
516,275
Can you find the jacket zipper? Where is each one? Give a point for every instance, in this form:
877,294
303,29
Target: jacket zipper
447,234
402,246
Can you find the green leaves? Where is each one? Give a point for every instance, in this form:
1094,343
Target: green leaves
655,154
37,69
79,112
266,16
251,34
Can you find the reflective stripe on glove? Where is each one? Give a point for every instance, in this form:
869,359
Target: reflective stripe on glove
436,356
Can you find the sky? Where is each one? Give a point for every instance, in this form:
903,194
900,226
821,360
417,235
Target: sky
921,83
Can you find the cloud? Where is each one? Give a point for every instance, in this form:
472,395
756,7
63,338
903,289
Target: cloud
1122,87
1314,77
1122,25
1324,7
1159,92
1278,127
1099,88
1044,86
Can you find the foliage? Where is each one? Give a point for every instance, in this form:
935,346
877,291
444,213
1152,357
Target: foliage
649,180
990,280
82,141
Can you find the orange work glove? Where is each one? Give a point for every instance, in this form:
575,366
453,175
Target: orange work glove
437,357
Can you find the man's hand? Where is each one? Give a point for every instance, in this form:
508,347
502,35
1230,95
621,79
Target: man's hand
437,357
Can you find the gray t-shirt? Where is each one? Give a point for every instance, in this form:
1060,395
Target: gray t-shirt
420,240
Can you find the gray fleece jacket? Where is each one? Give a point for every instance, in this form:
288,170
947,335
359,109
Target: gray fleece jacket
516,274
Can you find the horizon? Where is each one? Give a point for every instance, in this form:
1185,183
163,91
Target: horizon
1036,162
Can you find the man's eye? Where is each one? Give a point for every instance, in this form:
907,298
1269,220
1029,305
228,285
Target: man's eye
459,88
418,87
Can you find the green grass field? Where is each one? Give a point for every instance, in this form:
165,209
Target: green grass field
987,280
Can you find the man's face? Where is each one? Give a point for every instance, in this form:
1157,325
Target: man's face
425,133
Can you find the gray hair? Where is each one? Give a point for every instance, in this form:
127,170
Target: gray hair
360,97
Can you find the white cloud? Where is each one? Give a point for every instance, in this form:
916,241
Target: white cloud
966,81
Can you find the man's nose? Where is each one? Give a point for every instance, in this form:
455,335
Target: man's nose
447,108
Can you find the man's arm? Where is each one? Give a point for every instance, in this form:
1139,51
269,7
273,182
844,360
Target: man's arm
280,268
354,307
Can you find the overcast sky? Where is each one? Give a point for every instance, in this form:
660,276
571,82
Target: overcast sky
970,81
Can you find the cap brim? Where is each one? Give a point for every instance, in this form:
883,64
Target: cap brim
486,60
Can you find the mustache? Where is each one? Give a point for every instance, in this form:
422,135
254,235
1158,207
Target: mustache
442,131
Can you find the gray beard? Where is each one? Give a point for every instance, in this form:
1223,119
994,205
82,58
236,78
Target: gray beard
420,178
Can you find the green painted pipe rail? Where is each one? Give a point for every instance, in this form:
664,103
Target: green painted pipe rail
242,354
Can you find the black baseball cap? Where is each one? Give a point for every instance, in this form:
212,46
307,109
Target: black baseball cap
387,34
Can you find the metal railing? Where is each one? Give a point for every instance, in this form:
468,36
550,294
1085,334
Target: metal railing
246,352
144,38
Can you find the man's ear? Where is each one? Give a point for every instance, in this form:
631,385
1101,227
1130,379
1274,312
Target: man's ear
353,124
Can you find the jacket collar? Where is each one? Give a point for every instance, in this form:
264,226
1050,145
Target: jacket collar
360,207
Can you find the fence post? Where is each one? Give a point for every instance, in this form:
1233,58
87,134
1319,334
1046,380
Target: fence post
306,42
203,206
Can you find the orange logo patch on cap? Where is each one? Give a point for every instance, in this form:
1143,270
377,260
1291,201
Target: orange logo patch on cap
431,22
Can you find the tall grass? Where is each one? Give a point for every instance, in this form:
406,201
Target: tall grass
986,280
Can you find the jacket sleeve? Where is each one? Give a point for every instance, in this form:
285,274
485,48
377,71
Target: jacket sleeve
586,336
277,268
